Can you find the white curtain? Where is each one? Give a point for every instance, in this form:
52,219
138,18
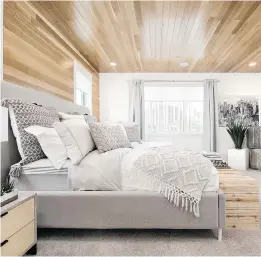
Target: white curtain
136,105
210,115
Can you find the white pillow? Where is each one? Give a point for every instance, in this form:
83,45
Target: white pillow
65,116
76,137
50,143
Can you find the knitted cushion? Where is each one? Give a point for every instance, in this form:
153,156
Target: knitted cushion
108,137
133,133
23,115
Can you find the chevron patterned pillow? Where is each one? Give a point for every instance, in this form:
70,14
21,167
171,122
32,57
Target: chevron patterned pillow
23,115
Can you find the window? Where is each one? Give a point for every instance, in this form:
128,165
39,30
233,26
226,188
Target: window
173,109
82,86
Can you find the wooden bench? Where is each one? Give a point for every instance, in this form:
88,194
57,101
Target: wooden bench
242,202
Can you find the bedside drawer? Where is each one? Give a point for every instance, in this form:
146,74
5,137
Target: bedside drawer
16,218
20,242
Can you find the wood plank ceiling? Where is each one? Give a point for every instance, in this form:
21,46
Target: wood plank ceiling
38,56
156,36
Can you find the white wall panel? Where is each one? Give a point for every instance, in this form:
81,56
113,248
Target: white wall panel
114,97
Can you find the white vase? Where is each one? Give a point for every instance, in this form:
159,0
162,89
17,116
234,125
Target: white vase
238,159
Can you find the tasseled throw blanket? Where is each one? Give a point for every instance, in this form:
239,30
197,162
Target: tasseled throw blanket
178,175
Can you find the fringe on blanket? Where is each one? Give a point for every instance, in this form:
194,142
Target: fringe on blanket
15,170
188,202
175,196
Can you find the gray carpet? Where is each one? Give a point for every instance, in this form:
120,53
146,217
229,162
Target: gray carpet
138,243
155,242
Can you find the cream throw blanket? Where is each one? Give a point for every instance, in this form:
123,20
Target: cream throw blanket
179,175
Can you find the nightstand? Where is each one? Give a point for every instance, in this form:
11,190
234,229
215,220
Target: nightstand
19,226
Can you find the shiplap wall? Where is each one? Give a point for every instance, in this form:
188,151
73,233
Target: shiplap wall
35,56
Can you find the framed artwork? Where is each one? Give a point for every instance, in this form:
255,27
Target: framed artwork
243,109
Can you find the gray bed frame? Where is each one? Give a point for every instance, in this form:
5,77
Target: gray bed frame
107,209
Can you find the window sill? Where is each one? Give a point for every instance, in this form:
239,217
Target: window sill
175,134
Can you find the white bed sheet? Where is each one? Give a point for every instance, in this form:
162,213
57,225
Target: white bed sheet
103,173
41,175
43,182
98,171
44,166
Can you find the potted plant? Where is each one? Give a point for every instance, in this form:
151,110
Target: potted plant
8,192
238,158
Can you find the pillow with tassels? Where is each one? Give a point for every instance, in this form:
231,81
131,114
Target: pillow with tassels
23,115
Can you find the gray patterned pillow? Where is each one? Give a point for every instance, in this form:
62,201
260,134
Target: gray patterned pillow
108,137
23,115
89,118
133,133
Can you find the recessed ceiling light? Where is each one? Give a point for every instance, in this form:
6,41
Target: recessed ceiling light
184,64
113,64
252,64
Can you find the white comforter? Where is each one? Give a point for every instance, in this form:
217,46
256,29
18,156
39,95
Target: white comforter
110,170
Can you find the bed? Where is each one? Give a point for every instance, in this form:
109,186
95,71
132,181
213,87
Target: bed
59,207
41,175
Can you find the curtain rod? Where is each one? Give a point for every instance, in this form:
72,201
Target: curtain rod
176,80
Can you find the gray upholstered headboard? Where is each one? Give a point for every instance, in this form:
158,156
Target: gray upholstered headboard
9,151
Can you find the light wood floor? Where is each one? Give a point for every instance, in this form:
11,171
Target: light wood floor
257,175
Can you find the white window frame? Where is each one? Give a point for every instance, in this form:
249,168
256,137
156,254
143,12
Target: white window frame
185,125
85,91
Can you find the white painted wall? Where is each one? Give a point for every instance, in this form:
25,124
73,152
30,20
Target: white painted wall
1,38
114,97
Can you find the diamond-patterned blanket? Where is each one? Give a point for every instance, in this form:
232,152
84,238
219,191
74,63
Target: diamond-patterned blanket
179,175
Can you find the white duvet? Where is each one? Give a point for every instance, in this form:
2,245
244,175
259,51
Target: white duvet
110,171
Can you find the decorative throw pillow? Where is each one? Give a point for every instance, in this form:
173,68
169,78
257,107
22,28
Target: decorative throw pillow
89,118
216,160
76,115
23,115
133,133
108,137
70,116
76,137
51,144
